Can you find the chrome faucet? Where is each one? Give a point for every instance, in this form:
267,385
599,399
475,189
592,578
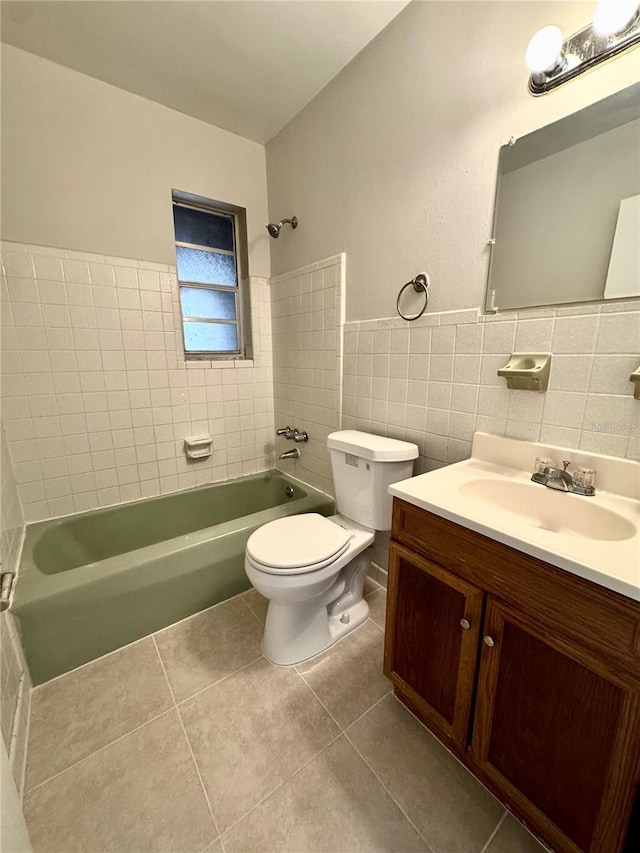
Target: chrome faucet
295,434
562,480
290,454
287,432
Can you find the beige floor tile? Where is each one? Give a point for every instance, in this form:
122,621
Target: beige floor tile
208,646
348,677
377,602
85,710
257,603
251,732
512,837
139,794
454,812
333,804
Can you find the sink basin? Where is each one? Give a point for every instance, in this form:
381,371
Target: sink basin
556,512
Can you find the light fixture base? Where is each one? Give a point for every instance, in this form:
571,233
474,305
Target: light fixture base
584,50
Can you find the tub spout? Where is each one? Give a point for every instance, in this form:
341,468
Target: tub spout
290,454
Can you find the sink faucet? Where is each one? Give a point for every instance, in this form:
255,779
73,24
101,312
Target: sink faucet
562,480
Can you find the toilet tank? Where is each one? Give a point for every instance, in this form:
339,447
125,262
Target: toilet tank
364,466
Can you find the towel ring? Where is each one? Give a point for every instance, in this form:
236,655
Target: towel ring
420,282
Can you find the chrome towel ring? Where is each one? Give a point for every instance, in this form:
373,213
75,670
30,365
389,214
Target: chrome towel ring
420,282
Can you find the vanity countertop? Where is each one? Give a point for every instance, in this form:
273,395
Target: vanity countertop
597,538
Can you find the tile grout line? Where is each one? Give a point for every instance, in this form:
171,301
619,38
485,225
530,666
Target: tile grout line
186,737
495,832
384,787
281,784
313,692
364,713
219,681
199,775
101,749
250,609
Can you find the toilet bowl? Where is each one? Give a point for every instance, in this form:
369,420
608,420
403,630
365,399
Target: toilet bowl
311,568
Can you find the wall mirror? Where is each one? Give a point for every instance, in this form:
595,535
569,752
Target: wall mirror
567,215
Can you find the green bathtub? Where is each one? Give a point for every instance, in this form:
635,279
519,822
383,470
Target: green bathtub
93,582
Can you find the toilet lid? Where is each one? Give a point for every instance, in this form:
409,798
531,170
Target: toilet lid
297,541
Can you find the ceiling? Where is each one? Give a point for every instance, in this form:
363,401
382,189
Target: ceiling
246,66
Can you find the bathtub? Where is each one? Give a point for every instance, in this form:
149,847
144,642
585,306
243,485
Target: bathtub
93,582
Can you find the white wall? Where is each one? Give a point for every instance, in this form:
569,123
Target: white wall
89,167
395,162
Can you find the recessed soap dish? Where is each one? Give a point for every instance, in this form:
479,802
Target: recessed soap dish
635,378
198,446
527,371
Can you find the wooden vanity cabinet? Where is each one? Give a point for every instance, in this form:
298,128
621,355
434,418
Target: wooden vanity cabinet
530,675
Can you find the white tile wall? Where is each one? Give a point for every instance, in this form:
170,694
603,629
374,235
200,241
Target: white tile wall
307,307
15,684
12,515
15,693
97,396
434,381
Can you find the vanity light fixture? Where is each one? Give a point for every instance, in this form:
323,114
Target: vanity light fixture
552,60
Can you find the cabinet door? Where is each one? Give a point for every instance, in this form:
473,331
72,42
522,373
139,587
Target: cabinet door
556,732
431,646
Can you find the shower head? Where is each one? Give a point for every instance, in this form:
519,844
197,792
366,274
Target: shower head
274,230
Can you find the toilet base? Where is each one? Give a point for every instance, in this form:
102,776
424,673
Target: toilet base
298,632
337,627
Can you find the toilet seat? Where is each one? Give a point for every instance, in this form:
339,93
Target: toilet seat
297,544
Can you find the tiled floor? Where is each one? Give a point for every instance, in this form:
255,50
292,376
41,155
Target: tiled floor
191,741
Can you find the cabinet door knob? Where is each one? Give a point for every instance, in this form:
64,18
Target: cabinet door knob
488,641
465,624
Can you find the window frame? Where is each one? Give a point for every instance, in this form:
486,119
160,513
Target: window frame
240,290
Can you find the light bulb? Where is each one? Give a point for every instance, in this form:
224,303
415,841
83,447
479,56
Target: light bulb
545,49
613,16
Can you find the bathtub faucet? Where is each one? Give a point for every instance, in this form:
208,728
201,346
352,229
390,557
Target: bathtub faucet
290,454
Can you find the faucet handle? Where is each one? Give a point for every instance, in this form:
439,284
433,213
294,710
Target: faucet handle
287,432
566,463
544,462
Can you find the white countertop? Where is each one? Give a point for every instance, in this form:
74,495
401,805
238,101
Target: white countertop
458,493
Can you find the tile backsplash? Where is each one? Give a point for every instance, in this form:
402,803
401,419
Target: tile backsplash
12,515
434,381
97,395
307,307
15,683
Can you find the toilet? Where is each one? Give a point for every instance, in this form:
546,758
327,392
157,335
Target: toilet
311,568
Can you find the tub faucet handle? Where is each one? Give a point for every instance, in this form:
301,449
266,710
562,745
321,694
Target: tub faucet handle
283,430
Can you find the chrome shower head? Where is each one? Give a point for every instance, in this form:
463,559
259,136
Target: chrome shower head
274,230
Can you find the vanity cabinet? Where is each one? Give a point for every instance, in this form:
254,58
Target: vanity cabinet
530,675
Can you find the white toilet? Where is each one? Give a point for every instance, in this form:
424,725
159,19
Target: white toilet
312,569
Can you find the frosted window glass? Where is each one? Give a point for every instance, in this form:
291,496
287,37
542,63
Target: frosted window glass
214,304
202,228
210,337
205,267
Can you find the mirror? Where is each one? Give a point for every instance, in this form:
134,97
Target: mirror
567,216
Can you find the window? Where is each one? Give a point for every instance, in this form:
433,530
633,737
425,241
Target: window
207,258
